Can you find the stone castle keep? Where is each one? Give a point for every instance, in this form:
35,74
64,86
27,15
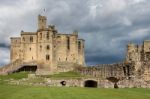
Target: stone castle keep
47,52
47,49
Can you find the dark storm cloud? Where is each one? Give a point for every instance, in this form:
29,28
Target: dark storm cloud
103,60
3,45
106,25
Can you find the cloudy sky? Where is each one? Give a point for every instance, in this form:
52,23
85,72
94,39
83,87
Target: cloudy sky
106,25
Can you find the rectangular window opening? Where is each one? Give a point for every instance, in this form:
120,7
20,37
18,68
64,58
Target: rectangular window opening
47,35
68,43
79,45
47,57
31,38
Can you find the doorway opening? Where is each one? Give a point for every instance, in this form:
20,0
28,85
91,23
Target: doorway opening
90,83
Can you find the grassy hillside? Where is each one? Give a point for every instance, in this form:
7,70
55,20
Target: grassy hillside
21,75
15,76
30,92
70,74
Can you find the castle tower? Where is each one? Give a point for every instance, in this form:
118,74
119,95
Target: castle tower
15,49
49,50
146,49
131,50
42,22
133,53
81,59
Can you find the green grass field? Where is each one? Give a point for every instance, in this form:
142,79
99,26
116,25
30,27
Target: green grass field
32,92
69,74
15,76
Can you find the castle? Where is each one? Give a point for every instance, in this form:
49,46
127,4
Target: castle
47,49
46,52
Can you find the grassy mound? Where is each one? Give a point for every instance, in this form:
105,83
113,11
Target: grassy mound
20,75
70,74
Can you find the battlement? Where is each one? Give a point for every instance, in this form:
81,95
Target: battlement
15,40
28,33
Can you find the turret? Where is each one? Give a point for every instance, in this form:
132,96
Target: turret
131,49
81,60
42,22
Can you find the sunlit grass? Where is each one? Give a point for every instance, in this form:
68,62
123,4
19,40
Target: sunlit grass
15,76
39,92
31,92
70,74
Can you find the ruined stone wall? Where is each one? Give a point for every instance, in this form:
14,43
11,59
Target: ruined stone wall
82,82
133,53
140,57
146,51
103,71
145,72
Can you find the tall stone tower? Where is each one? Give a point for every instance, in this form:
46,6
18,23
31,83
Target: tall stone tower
42,22
48,49
132,53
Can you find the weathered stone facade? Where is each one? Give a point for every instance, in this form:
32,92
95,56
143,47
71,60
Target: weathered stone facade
49,50
140,57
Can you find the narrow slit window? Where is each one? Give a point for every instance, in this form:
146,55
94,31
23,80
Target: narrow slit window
31,38
48,47
68,43
79,44
23,39
47,35
40,36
